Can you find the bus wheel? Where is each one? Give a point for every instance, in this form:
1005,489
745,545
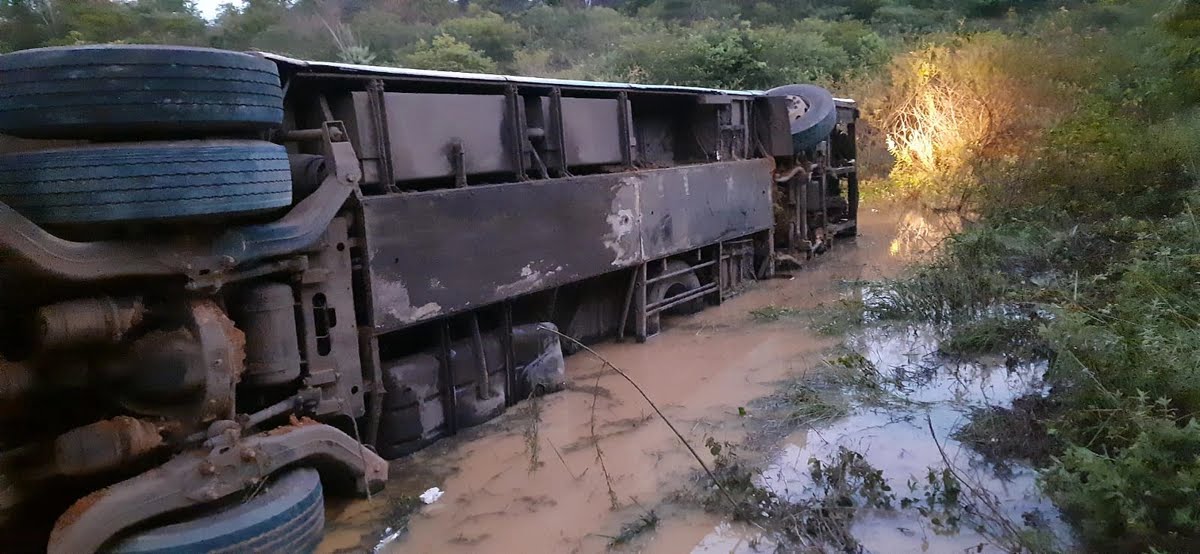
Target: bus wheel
677,286
105,90
286,515
812,112
146,181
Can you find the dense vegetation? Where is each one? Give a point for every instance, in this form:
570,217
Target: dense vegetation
741,43
1073,149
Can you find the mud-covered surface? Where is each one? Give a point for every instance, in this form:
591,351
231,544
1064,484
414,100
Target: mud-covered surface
530,481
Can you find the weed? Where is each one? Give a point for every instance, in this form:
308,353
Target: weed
857,373
847,479
805,404
767,314
1003,434
643,524
533,421
1016,337
821,518
846,315
939,499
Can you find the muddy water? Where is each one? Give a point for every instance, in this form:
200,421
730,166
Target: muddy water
932,397
905,433
516,485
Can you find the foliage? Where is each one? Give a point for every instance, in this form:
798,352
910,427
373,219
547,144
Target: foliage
487,33
708,55
847,479
741,43
630,531
1011,335
386,32
953,109
804,403
446,53
820,519
1182,21
773,313
1083,218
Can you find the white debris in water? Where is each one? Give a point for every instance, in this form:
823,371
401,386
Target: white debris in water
390,537
432,495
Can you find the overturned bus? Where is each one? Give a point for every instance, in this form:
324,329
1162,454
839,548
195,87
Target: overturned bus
231,283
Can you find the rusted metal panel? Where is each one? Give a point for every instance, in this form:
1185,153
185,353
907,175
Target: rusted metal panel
424,129
591,130
435,253
439,252
773,125
704,204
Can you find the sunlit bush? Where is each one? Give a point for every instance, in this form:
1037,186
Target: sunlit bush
952,111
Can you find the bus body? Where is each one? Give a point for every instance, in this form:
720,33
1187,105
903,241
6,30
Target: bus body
448,238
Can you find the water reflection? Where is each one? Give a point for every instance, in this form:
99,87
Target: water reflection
933,397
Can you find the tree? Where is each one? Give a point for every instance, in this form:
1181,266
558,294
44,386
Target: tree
488,33
447,54
238,28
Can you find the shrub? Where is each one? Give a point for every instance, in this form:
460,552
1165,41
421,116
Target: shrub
955,109
447,54
487,33
706,56
906,19
386,31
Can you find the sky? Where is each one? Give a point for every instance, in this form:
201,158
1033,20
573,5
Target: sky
210,8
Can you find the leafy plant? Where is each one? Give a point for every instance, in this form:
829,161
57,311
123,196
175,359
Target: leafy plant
447,53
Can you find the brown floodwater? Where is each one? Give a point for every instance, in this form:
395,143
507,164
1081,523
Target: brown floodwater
530,481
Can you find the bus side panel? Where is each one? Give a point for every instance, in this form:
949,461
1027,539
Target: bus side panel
701,205
436,253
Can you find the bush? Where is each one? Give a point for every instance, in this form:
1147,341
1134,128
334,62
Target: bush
793,55
708,56
1101,163
1140,497
385,31
447,54
906,19
960,113
574,38
487,33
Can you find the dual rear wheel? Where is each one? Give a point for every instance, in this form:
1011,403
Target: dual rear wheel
109,94
157,133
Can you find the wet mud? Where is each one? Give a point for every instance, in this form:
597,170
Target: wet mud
531,481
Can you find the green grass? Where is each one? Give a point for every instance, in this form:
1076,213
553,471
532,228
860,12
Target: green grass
767,314
1014,336
645,523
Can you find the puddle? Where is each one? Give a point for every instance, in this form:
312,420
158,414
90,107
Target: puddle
929,396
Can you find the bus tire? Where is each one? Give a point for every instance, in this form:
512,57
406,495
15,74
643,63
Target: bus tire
107,183
676,286
98,91
288,515
815,123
